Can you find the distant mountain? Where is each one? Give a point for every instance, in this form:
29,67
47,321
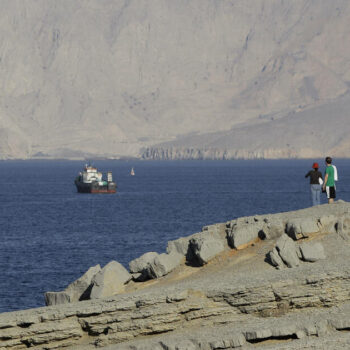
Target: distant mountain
174,79
312,133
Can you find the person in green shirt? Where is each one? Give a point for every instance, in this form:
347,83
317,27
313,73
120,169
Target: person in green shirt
328,184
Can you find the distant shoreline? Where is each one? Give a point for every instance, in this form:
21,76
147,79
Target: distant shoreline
135,159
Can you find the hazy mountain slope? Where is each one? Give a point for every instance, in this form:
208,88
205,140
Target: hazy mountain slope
316,132
105,78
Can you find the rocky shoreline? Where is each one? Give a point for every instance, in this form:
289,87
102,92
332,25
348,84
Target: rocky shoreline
276,281
222,153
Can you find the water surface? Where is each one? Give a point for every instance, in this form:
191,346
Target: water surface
50,234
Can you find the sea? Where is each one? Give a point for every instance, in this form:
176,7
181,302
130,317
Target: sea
50,234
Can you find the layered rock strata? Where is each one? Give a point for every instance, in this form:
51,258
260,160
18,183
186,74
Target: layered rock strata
233,298
324,329
118,319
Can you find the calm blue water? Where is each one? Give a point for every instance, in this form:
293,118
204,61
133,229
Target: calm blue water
50,235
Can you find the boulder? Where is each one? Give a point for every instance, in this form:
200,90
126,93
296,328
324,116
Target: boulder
154,265
215,229
248,220
302,227
140,264
275,259
77,290
182,245
343,227
109,281
328,223
179,246
273,228
57,298
206,247
243,221
243,234
287,250
163,264
312,251
80,289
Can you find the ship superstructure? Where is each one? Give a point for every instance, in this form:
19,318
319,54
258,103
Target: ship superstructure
91,181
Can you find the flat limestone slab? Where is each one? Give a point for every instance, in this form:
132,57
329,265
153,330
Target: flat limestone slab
300,330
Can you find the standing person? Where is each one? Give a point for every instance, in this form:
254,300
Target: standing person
328,184
315,183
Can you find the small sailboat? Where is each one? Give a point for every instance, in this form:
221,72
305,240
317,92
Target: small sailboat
132,172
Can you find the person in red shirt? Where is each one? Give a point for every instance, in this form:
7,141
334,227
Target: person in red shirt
315,184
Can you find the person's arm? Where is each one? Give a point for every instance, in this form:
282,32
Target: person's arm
320,179
325,181
308,174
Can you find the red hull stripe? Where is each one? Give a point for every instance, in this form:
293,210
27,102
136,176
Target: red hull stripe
102,191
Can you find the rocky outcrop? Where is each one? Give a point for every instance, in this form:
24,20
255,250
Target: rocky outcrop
312,251
206,248
288,251
200,248
154,265
342,226
95,283
119,319
139,265
205,245
174,151
77,290
247,230
163,264
299,228
215,296
110,280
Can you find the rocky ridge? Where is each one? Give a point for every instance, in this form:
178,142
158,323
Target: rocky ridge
270,138
225,293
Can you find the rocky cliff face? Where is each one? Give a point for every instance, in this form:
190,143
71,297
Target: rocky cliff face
107,78
312,133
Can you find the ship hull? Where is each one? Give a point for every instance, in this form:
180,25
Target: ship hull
94,187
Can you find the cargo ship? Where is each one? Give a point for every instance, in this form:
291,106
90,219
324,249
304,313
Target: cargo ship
90,181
